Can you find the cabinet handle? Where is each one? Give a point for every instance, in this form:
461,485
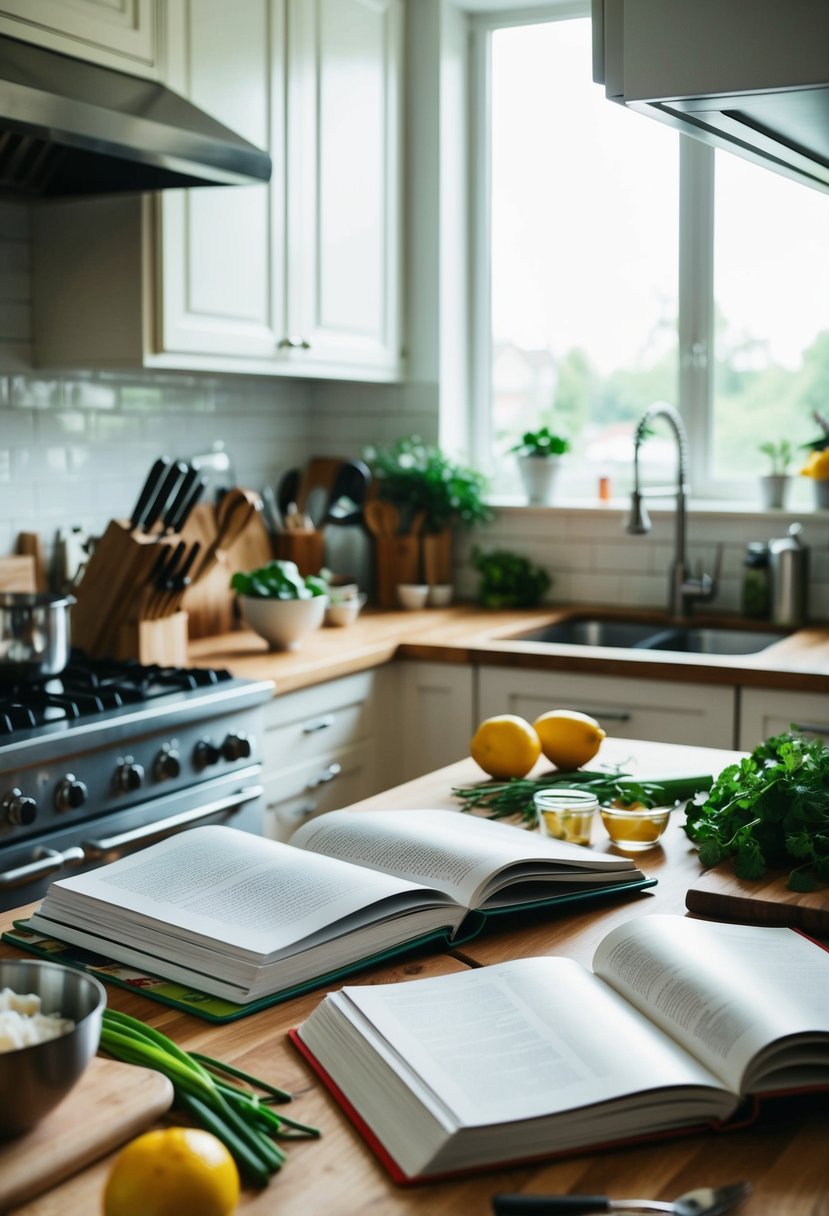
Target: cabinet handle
318,724
328,774
813,728
293,344
611,715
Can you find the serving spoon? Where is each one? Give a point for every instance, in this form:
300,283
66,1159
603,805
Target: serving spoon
704,1201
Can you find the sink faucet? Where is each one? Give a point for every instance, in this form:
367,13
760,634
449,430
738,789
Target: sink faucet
683,590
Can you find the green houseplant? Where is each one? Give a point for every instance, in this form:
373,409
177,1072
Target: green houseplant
418,476
774,486
538,453
509,580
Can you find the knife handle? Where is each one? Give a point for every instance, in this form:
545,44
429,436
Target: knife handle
548,1205
180,500
149,491
168,487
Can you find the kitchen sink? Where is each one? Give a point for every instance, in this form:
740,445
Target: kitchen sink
646,635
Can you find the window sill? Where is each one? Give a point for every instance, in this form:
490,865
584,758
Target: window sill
707,507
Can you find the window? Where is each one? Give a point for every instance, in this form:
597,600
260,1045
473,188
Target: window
621,264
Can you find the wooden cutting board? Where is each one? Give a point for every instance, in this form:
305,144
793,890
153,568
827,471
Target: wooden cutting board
719,894
110,1104
18,573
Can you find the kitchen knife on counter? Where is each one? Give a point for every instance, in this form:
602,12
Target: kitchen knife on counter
149,492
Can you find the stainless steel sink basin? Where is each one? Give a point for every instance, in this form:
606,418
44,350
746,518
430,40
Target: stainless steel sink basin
713,641
645,635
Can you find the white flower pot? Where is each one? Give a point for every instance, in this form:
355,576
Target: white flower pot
539,475
774,490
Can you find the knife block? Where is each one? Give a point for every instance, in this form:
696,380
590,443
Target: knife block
162,641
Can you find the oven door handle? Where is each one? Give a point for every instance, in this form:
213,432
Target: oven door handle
48,861
95,849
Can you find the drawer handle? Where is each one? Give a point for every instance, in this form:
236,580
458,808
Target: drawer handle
813,728
328,774
318,724
293,344
609,715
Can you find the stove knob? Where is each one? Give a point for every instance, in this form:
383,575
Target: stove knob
17,809
237,747
128,776
205,753
70,794
167,764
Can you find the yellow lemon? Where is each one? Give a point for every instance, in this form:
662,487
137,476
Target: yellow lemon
174,1171
505,746
568,738
817,465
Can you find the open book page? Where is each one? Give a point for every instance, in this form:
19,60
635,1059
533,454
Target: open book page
726,992
467,857
227,887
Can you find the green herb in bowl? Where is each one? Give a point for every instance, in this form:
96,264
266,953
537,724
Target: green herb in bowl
279,580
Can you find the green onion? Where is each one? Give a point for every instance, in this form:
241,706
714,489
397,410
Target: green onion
240,1118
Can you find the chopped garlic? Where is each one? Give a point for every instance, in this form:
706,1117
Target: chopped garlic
22,1024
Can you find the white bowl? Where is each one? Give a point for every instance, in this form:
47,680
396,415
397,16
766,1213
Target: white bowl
440,595
344,612
284,624
412,595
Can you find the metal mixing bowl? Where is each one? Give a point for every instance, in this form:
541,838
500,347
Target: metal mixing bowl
34,1079
34,635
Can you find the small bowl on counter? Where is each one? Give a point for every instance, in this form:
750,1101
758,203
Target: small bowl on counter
35,1078
344,612
284,624
412,596
635,828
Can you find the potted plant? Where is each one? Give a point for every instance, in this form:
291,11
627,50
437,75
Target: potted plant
509,580
434,494
774,486
538,454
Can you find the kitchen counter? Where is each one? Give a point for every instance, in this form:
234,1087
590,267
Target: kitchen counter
782,1156
467,634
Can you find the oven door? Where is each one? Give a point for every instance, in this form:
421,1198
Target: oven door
26,870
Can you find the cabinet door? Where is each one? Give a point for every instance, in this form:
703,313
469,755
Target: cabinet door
697,714
764,713
436,711
220,246
344,164
119,34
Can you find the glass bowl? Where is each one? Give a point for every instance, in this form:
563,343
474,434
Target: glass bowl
635,828
566,814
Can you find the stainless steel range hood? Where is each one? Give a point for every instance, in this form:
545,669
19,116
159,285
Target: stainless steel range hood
751,76
72,128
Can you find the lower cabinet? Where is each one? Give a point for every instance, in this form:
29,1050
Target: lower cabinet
765,712
701,715
320,750
434,718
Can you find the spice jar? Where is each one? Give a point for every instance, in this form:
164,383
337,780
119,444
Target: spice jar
756,600
566,814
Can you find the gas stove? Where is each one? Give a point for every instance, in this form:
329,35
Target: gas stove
112,755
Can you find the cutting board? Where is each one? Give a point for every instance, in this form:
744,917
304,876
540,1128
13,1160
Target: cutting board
719,894
18,573
110,1104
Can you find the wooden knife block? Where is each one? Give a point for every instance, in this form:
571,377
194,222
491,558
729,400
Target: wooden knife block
162,640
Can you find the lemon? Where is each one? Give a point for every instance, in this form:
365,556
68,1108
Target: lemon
817,465
505,746
568,738
174,1171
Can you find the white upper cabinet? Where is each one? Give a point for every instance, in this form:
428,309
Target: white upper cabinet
120,34
301,277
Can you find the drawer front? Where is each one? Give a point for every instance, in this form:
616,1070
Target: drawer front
316,721
697,714
310,789
764,713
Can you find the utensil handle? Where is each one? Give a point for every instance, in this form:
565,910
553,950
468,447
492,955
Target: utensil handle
149,490
540,1205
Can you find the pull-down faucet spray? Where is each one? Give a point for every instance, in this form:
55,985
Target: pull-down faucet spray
683,590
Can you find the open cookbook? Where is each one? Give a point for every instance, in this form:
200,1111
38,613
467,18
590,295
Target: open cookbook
241,917
681,1024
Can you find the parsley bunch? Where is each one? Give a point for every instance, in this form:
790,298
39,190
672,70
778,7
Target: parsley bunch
768,811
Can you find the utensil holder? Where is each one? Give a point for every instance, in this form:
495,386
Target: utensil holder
162,640
303,547
396,560
437,558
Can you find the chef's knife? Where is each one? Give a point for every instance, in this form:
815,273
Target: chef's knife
183,501
162,500
149,492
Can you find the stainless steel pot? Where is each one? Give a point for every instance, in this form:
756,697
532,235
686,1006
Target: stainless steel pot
34,635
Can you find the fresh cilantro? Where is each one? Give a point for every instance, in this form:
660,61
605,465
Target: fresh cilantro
768,811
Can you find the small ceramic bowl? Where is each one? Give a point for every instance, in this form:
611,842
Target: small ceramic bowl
284,624
440,595
344,612
412,595
635,829
342,587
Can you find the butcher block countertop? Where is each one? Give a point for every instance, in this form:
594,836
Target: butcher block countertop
468,634
783,1155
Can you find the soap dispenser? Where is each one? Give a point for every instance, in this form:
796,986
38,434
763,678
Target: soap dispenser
789,558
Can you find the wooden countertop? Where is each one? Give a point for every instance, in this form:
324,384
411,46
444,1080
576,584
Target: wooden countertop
783,1156
467,634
